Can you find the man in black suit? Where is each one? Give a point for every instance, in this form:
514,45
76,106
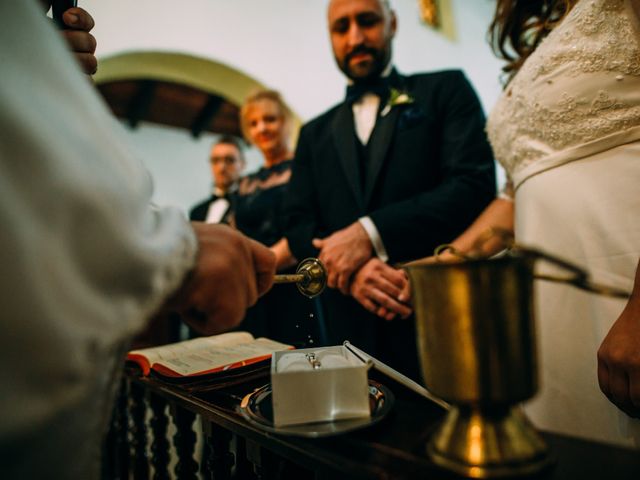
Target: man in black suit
399,167
227,161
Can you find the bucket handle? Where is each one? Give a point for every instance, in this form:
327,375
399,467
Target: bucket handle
577,276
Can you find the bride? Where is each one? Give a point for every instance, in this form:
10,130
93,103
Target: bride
567,131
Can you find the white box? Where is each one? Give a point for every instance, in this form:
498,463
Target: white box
318,385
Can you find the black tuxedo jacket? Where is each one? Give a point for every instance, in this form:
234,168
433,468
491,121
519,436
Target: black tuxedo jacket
430,172
199,212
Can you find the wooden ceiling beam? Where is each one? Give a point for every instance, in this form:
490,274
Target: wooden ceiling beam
206,115
140,102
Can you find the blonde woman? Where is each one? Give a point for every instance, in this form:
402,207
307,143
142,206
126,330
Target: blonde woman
268,124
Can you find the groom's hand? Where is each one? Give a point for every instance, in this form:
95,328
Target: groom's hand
382,290
343,253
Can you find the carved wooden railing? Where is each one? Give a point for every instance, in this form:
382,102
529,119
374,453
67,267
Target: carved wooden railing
139,444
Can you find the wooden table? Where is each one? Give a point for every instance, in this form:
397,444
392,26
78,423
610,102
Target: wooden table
391,449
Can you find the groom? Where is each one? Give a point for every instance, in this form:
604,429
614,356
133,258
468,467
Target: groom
399,167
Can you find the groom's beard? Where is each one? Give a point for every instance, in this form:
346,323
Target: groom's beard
366,70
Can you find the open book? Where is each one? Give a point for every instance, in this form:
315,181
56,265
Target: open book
205,355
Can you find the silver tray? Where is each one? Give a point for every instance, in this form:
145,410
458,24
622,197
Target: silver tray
257,409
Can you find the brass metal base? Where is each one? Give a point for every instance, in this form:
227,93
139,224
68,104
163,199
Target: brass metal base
310,277
314,277
480,443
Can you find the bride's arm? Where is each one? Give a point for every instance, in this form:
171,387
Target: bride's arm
476,239
498,215
383,290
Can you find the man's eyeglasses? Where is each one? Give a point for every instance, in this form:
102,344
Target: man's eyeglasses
226,159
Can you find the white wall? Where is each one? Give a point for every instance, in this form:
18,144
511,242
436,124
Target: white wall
281,43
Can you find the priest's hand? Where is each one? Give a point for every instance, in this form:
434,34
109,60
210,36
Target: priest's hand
231,272
81,43
382,290
342,253
619,357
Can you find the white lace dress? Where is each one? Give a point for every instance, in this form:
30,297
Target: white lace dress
567,130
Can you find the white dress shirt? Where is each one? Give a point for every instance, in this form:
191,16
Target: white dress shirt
365,114
219,207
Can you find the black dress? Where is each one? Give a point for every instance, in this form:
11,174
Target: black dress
283,314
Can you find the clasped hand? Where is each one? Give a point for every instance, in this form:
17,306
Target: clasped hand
343,253
347,256
382,290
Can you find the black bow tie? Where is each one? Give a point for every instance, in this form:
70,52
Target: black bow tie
378,86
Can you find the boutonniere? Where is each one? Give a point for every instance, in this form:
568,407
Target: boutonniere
396,98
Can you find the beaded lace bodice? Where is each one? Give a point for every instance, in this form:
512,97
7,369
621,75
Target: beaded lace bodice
581,85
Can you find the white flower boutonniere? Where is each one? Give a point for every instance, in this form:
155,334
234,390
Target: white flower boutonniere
396,97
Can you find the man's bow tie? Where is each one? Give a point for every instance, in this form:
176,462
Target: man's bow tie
378,86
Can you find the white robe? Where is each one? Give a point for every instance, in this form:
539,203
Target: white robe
85,259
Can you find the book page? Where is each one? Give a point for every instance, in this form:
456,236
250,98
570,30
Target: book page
219,358
187,347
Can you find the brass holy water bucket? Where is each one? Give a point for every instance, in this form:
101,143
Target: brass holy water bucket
477,348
